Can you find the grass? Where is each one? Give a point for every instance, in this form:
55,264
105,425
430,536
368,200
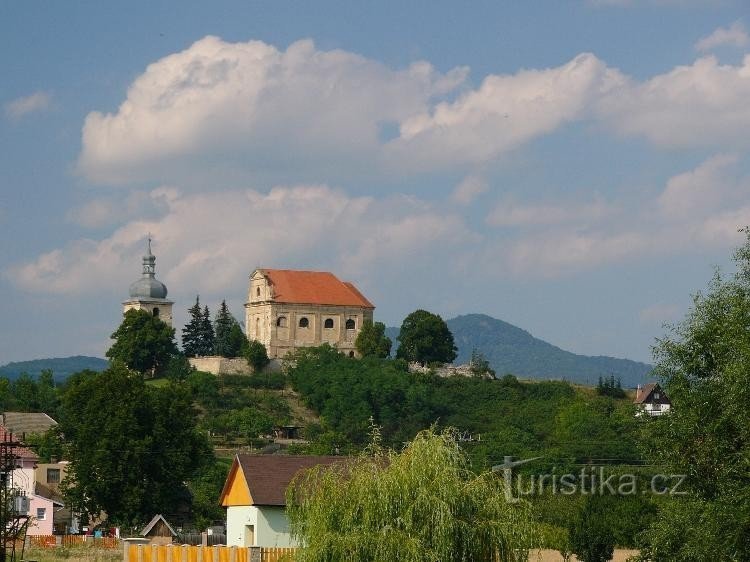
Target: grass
83,553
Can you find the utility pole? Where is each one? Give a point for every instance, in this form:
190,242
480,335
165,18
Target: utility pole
14,504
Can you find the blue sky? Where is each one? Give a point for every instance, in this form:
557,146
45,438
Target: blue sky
576,168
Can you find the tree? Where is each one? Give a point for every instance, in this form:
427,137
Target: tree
230,341
425,338
419,505
131,446
372,341
143,342
480,367
198,335
257,356
704,368
591,539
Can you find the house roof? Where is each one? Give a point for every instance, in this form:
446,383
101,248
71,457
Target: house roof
313,287
26,423
268,476
6,435
147,529
643,392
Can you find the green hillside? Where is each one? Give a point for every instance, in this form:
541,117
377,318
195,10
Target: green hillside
509,349
61,367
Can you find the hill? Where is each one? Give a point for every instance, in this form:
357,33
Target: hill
510,349
62,367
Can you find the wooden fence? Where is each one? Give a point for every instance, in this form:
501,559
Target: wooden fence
187,553
51,541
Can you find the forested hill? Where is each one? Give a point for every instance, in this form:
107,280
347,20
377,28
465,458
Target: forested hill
61,367
509,349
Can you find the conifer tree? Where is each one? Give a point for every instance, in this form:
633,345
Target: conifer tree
191,333
207,333
224,338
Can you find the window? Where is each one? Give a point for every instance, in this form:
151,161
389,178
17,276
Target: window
281,322
257,292
328,323
351,354
53,476
41,513
156,312
350,324
304,322
656,395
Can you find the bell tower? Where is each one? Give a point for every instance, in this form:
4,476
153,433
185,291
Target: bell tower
148,293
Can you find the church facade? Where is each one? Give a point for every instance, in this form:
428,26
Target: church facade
288,309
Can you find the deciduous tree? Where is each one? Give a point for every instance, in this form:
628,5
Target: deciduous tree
420,505
143,342
372,341
425,338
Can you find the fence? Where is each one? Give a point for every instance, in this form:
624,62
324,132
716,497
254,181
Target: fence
188,553
50,541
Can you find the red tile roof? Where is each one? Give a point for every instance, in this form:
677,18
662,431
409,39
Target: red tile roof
643,392
268,476
313,287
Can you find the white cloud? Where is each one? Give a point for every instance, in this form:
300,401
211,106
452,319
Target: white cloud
704,104
469,189
117,209
511,214
502,114
20,107
250,103
209,242
734,35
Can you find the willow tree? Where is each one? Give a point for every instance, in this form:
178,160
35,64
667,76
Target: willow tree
420,505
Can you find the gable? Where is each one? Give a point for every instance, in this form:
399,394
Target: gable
236,491
311,287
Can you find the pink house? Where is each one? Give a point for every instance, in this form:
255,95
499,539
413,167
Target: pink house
41,509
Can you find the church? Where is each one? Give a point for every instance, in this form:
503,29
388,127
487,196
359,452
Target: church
285,309
288,309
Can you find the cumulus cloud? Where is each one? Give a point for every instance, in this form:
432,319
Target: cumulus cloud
471,187
209,242
511,214
704,104
502,114
252,103
735,35
20,107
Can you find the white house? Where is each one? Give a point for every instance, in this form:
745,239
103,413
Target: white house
254,496
651,399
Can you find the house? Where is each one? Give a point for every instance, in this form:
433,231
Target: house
41,508
254,495
158,531
287,309
651,399
48,477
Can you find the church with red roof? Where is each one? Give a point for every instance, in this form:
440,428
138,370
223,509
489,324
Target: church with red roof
288,309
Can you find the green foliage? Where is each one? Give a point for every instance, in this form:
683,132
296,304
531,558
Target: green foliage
372,341
257,356
27,394
48,445
178,369
205,490
131,446
591,539
143,342
703,365
422,504
229,340
480,367
610,387
425,338
198,333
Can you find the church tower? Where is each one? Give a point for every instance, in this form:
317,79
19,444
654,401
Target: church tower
148,293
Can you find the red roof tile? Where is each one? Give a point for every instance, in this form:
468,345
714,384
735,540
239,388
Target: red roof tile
643,392
268,476
313,287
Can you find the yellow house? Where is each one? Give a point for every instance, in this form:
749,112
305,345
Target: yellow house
254,496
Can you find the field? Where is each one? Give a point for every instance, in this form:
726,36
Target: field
72,553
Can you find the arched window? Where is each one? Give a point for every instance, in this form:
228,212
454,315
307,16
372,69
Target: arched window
156,312
281,322
350,324
304,322
257,292
328,323
351,354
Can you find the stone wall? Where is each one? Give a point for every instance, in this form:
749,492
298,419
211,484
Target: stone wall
221,365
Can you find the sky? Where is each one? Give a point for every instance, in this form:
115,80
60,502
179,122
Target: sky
576,168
